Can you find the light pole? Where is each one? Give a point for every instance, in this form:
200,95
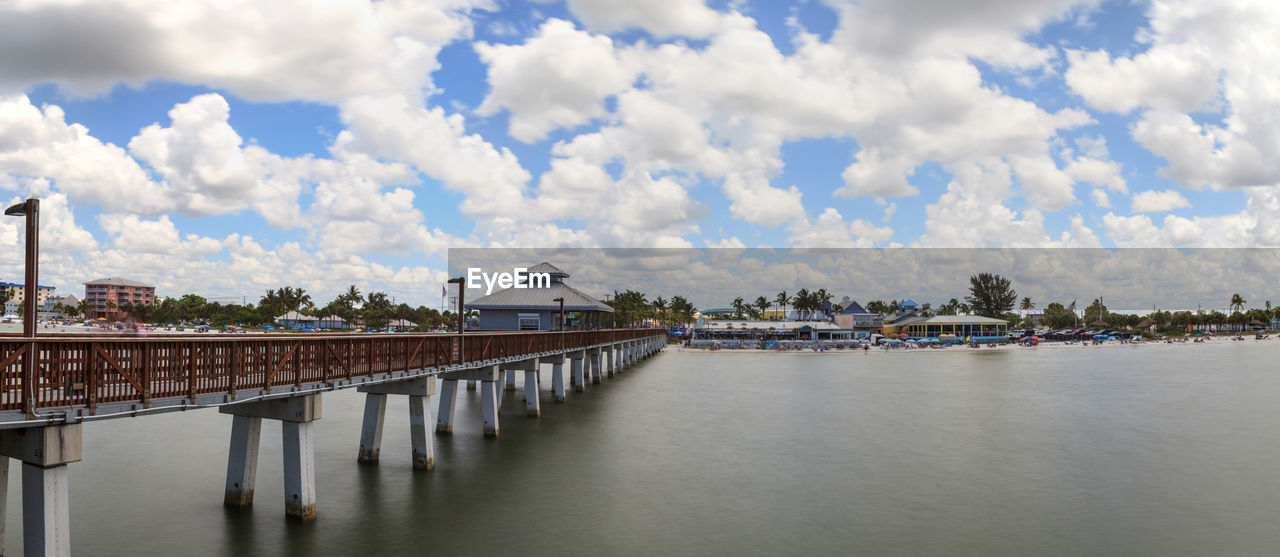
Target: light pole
30,209
462,354
561,319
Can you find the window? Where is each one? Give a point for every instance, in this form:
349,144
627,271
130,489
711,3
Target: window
528,321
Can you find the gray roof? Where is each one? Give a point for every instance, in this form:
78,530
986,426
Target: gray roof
548,268
540,298
113,281
295,316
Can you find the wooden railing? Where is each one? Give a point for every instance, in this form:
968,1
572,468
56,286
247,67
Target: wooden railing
84,371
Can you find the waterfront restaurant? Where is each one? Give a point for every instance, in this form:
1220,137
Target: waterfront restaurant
535,309
957,328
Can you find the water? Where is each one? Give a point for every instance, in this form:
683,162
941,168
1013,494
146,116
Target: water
1159,450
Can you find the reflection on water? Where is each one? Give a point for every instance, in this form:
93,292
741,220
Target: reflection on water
1160,450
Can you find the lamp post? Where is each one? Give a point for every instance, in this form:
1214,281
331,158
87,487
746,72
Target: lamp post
561,315
462,355
30,209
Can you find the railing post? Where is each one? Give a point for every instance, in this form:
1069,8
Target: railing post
191,371
29,380
146,375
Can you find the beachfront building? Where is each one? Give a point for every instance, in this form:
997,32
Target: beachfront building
859,321
331,322
956,328
106,296
18,293
535,309
50,308
296,320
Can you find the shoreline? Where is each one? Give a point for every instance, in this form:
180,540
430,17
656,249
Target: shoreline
1054,346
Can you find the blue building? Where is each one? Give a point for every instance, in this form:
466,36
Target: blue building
535,309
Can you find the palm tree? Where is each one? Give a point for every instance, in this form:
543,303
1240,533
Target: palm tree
1027,305
782,300
660,305
1237,303
762,304
738,306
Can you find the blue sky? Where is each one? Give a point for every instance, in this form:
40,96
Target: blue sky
354,142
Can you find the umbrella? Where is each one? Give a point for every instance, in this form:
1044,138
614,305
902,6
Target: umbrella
267,327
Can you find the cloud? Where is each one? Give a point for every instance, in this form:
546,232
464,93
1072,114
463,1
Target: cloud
280,50
573,71
662,18
1158,201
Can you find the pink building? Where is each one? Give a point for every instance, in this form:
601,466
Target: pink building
106,296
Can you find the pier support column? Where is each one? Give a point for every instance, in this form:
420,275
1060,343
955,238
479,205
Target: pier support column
593,365
617,356
471,385
608,360
297,432
575,367
424,451
511,380
242,461
375,409
532,407
490,377
557,377
448,396
489,407
299,469
46,503
419,392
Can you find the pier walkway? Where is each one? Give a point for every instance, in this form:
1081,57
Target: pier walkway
52,384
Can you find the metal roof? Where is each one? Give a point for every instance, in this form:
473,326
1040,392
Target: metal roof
540,298
113,281
548,268
854,309
295,316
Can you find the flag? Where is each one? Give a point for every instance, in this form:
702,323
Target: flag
1072,307
444,291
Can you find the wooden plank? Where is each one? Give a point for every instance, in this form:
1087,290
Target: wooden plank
112,362
280,365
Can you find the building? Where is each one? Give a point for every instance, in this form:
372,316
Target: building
862,322
49,309
956,328
106,296
535,309
295,320
18,293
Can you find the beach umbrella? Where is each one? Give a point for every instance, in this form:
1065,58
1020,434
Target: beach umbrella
267,327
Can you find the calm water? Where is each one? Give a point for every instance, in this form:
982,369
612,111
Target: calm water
1162,450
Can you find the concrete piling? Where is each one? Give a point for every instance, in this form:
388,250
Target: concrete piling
242,460
531,404
489,407
448,396
375,409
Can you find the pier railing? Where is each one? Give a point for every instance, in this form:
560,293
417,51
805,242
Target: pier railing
84,371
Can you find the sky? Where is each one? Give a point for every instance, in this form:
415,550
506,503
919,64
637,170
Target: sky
223,148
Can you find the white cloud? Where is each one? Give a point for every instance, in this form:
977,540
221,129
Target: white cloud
572,72
280,50
438,145
663,18
1158,201
1100,198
